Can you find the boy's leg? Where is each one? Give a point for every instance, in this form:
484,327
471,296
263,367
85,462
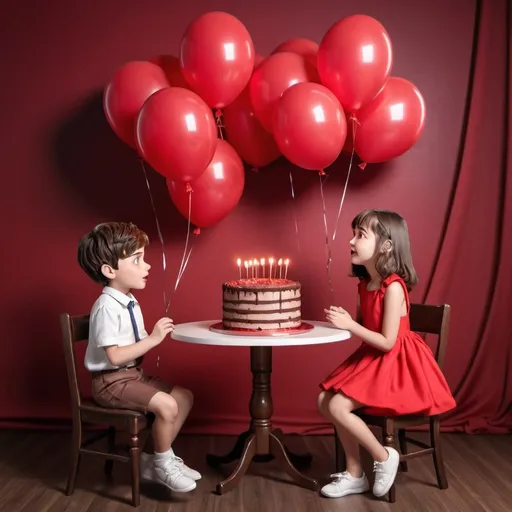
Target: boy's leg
167,470
183,400
131,389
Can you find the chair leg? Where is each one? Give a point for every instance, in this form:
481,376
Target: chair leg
76,443
111,443
403,449
341,463
389,440
435,442
135,468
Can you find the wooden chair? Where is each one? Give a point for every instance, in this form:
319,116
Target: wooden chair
75,329
424,319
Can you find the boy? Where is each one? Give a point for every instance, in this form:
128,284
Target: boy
112,254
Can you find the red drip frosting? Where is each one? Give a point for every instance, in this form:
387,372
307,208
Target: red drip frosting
260,282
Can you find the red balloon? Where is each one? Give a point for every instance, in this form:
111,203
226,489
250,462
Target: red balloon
254,144
176,133
258,59
391,123
310,126
349,141
304,47
132,84
171,67
355,59
272,77
216,192
217,57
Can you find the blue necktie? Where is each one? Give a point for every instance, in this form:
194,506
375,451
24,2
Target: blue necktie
132,318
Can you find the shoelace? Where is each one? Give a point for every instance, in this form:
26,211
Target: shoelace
173,472
339,477
379,471
178,460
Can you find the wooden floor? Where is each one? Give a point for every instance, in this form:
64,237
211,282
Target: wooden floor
33,472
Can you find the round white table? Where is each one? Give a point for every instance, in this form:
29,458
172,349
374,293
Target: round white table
260,442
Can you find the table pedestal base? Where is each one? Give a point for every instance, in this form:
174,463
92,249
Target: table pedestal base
261,443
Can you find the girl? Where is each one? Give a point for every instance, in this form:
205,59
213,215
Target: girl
393,371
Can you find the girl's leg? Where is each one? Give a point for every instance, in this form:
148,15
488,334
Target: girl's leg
341,409
348,441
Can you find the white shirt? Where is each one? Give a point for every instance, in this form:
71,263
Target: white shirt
110,325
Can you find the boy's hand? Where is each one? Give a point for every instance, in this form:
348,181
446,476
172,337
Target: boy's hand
162,328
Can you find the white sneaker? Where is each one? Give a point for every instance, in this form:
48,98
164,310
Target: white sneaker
343,484
188,472
147,470
385,472
170,475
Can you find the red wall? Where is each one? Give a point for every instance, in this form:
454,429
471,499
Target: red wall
65,171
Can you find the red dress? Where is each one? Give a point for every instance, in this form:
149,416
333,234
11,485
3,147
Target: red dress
405,380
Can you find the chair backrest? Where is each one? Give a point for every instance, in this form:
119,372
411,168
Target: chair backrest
74,328
432,320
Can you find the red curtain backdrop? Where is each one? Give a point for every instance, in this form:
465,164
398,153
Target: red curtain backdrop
65,171
473,259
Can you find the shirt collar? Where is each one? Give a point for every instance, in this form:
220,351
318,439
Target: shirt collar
119,296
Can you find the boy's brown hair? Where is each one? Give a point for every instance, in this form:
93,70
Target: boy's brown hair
388,225
106,244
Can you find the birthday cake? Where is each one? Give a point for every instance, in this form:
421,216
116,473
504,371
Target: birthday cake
261,304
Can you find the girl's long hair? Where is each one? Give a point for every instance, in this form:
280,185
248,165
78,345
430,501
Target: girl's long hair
387,225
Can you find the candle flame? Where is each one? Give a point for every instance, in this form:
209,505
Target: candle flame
246,264
286,261
238,261
255,262
262,261
280,262
250,263
271,261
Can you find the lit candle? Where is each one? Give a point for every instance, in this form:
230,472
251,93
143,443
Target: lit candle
279,263
239,263
252,268
270,262
246,265
286,262
262,261
256,265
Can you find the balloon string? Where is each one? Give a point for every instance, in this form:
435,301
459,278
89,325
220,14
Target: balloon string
355,122
327,244
186,263
184,259
164,264
294,212
160,236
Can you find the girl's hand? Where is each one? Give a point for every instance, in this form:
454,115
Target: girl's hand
339,317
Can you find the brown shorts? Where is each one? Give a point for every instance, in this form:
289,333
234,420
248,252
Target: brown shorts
126,389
